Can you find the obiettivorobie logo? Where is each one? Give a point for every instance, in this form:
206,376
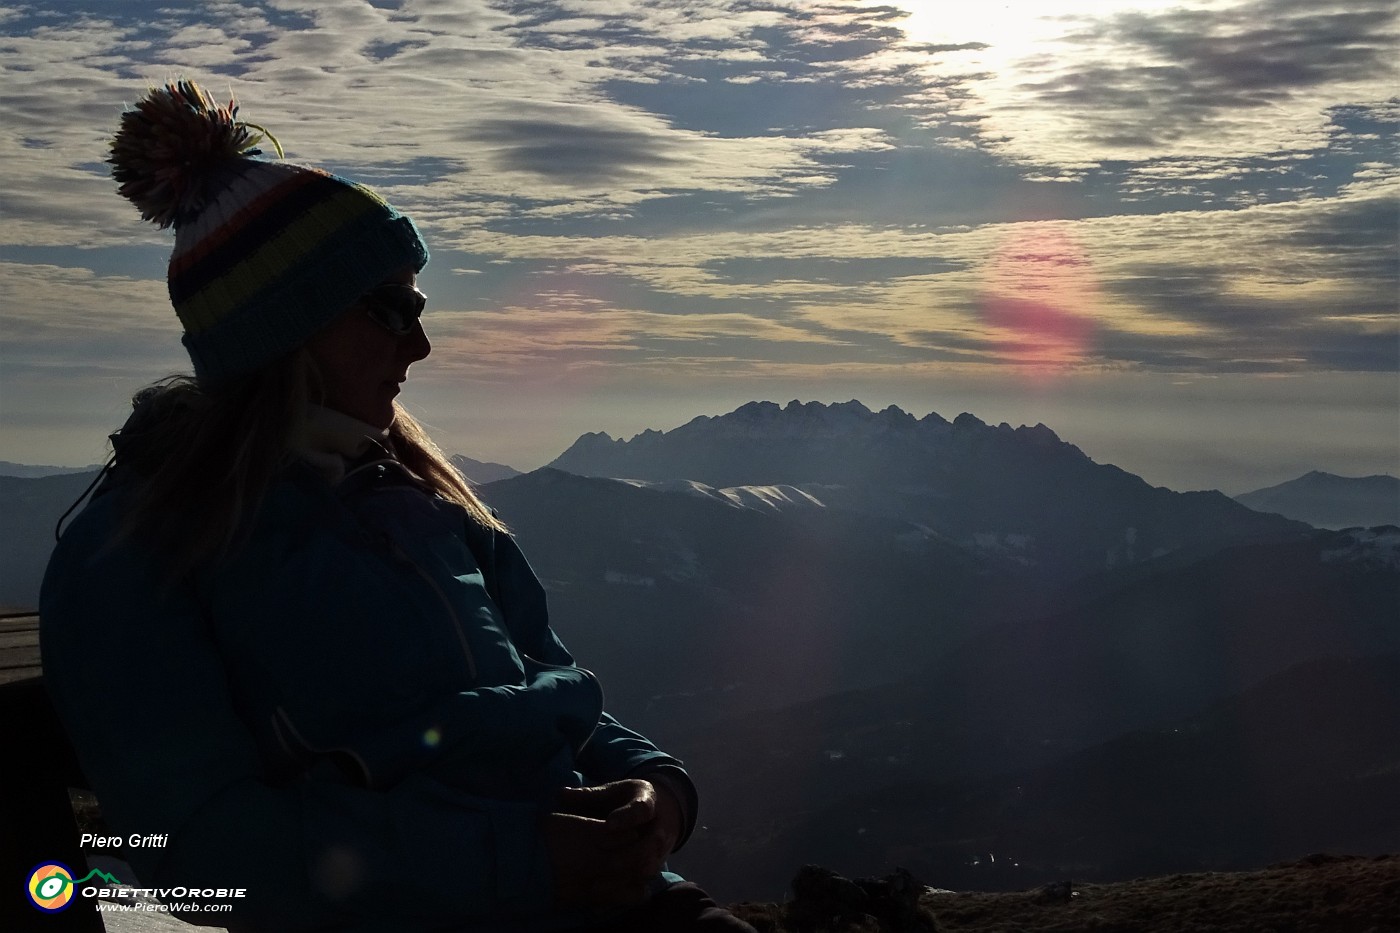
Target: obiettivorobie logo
51,888
51,885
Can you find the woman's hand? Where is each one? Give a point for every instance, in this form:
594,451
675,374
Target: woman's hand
594,867
607,842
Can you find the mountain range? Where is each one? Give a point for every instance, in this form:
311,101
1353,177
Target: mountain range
879,639
1021,494
30,471
1141,611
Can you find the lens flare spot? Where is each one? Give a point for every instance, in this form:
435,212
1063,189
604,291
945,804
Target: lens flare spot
338,872
1038,298
432,738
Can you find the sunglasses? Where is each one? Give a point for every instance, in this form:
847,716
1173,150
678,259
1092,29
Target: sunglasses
396,308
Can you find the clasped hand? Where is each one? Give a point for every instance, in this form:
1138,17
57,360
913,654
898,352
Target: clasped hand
607,842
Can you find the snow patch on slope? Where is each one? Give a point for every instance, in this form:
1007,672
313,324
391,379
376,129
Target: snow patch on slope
773,498
760,498
1379,545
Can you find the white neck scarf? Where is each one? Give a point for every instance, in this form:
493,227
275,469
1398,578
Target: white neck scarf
332,439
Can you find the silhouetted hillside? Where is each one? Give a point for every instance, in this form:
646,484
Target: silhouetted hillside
690,606
1143,656
1305,761
479,473
29,510
1330,501
29,471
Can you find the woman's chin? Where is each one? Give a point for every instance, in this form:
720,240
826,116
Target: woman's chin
381,411
382,420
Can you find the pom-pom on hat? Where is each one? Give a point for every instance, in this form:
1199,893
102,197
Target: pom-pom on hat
266,253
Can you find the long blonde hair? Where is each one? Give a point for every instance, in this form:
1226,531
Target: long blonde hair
208,456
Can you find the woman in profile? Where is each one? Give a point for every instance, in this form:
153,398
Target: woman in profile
286,637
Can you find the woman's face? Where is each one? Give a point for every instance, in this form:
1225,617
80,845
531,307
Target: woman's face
361,364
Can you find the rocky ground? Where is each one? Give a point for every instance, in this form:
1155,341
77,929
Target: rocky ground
1318,894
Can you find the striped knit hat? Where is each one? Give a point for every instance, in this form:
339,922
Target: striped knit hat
266,253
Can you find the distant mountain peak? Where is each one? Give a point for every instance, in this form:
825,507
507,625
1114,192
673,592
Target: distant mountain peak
595,440
1040,433
1331,501
968,420
478,472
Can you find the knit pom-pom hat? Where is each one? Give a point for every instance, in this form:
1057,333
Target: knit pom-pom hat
266,253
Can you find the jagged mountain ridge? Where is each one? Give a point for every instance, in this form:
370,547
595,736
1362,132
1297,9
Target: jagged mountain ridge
1018,495
1021,492
764,444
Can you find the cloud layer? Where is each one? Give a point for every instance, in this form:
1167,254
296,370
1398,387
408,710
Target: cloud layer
768,190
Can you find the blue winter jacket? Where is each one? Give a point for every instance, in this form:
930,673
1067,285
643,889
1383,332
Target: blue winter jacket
359,718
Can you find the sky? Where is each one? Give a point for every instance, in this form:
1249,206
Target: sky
1168,230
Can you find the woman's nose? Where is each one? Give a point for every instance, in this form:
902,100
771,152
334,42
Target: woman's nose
414,345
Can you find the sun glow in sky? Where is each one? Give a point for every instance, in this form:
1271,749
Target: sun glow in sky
1007,31
1165,229
1013,30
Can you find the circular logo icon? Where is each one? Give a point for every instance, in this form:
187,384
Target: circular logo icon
51,887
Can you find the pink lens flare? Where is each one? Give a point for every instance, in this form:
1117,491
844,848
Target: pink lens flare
1037,300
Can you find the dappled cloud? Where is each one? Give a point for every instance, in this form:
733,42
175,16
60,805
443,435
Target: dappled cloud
851,191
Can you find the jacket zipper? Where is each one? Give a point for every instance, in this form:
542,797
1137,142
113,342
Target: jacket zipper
282,720
402,556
